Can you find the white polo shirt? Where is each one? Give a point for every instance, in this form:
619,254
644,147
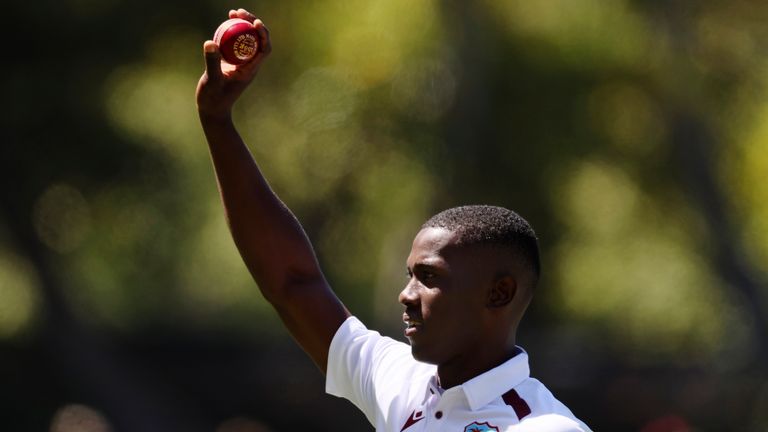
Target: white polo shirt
398,394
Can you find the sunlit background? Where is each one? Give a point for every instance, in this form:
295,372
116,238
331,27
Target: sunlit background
632,134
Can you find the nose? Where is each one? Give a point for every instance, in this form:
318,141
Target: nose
409,296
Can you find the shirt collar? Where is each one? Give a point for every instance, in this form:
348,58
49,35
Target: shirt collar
484,388
433,387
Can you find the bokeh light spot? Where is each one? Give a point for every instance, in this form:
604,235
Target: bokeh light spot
322,98
19,295
626,263
62,218
424,89
628,118
153,103
601,198
79,418
747,180
216,283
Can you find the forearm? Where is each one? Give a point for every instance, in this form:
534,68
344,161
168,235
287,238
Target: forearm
268,236
270,239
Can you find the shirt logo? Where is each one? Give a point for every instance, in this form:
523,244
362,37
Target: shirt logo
413,418
480,427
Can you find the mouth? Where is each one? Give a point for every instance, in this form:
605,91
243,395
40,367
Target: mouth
412,325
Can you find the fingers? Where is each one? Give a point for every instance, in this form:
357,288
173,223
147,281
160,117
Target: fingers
265,44
242,14
212,60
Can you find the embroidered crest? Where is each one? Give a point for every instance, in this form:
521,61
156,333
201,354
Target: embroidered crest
480,427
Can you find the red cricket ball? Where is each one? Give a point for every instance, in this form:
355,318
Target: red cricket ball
237,40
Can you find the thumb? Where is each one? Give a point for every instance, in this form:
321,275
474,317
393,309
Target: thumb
212,60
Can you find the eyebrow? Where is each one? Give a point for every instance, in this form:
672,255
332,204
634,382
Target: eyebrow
425,266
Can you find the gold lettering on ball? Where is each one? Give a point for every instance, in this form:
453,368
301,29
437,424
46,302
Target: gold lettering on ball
245,46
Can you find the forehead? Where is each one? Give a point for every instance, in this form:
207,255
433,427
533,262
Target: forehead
430,245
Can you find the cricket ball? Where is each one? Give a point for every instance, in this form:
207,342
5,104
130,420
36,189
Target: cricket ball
237,41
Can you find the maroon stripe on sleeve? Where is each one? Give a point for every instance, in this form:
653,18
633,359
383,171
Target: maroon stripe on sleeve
517,403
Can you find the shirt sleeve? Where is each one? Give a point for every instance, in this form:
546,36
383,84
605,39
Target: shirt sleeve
361,363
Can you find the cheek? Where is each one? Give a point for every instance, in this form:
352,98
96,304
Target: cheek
465,312
430,302
453,311
436,307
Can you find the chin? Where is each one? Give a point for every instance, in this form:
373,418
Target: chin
422,355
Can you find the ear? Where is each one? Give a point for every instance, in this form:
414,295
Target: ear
503,291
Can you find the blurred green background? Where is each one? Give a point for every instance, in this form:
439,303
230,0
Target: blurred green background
632,134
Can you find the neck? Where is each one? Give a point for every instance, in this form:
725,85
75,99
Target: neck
464,367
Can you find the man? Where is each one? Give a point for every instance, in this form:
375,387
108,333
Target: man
471,275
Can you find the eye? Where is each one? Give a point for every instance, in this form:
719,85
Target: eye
426,276
422,273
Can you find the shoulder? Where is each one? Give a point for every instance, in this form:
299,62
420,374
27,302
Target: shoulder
353,337
547,412
357,350
542,400
376,373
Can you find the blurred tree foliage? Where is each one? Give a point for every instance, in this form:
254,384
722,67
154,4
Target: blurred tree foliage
631,134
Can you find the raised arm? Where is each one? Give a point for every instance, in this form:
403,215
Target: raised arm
269,237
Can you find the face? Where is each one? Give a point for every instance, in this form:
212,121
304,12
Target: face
445,299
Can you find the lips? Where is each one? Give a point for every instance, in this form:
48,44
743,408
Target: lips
412,324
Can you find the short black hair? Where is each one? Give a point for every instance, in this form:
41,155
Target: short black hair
491,225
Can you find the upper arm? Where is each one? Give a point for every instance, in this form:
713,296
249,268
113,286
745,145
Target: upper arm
312,314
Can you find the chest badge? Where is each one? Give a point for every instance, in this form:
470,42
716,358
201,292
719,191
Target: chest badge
480,427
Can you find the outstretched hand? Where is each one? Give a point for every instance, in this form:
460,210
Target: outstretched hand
223,83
